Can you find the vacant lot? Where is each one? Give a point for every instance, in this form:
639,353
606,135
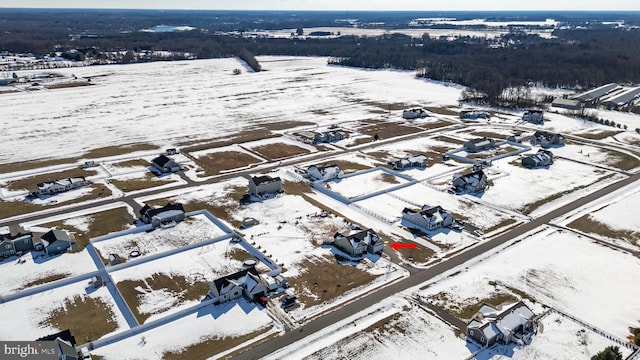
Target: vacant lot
147,181
177,285
87,318
279,151
387,130
210,347
217,162
326,279
99,224
591,226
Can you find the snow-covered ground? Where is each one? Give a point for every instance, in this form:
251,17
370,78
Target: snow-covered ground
365,183
35,265
27,315
141,103
193,230
217,322
558,269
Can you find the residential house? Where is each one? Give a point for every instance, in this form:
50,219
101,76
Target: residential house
479,144
512,323
414,113
58,186
325,172
533,116
247,283
427,219
65,344
57,242
546,139
473,182
17,240
166,215
358,242
408,162
542,158
473,115
263,185
328,136
164,164
518,139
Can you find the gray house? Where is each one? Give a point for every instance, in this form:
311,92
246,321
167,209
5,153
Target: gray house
473,114
533,116
473,182
263,185
427,219
58,186
57,242
17,240
247,283
542,158
164,165
479,144
329,136
546,139
408,162
358,242
512,323
168,214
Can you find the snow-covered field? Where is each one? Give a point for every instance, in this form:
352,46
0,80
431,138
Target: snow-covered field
141,103
365,183
218,322
19,275
558,269
193,230
28,315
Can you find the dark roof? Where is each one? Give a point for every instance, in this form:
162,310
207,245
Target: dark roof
54,235
161,160
432,210
597,92
545,134
264,179
150,212
63,335
221,282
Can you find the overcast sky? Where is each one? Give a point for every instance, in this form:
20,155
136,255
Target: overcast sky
333,4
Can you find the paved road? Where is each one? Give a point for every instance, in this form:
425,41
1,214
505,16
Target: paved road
424,275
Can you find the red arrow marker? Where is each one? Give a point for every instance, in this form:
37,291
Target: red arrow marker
396,246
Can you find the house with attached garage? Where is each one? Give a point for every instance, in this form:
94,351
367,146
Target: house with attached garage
408,162
357,242
511,324
65,345
16,241
329,136
264,185
325,172
247,283
479,144
164,165
58,186
533,116
167,215
414,113
546,139
427,219
542,158
473,182
57,242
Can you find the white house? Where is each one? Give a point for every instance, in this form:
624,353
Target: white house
324,172
58,186
414,113
408,162
429,218
247,283
358,242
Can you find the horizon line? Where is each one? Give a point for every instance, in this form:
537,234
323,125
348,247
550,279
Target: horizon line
323,10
